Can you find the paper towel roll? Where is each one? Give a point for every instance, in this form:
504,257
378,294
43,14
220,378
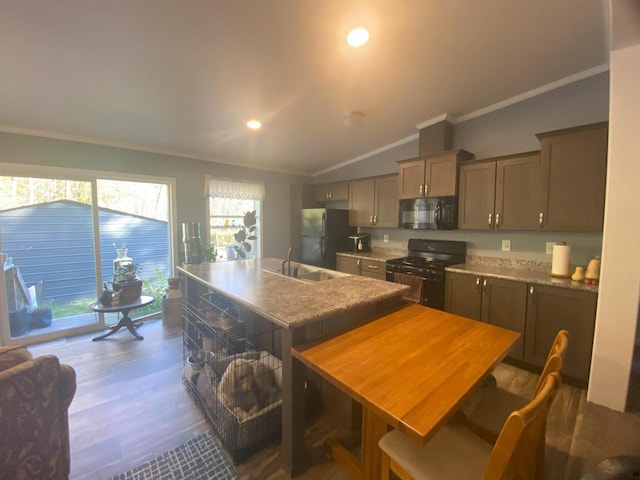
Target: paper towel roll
561,261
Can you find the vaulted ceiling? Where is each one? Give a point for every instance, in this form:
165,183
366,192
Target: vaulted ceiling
183,77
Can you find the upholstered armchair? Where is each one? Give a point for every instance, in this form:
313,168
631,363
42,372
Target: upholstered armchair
35,394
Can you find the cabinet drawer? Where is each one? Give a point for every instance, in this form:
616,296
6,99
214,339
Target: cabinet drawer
373,268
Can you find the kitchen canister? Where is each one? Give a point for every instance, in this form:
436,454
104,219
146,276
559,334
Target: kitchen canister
193,251
561,260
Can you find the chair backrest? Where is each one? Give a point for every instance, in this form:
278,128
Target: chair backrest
514,453
555,357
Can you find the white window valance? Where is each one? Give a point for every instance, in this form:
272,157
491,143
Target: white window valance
238,189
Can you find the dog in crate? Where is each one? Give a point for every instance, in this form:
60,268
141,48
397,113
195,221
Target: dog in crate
246,387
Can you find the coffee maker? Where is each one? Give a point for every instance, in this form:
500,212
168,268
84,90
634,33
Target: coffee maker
361,243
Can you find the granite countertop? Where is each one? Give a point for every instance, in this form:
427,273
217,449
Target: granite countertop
373,255
538,277
285,301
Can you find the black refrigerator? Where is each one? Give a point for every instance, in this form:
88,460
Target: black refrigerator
323,232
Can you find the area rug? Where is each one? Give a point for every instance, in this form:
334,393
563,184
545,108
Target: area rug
200,458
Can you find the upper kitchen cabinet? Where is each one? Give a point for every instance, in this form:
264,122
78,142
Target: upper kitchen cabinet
574,165
500,193
373,202
331,192
433,175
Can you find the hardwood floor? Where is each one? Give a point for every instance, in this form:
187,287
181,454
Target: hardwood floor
131,405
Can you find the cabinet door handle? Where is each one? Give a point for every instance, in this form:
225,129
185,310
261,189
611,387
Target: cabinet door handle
373,267
497,219
484,286
330,195
478,288
490,220
375,219
532,296
426,189
421,188
541,219
358,263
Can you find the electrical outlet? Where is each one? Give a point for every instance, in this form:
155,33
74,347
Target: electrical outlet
386,238
506,245
549,249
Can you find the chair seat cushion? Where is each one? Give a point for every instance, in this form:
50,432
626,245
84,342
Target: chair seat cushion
453,453
493,408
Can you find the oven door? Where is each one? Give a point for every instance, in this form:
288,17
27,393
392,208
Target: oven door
432,283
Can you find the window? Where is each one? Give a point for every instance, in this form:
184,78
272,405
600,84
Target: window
229,201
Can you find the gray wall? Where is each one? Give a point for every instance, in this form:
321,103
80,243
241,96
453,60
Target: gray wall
506,131
188,173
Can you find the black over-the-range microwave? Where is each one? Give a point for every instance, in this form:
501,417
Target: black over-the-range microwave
433,213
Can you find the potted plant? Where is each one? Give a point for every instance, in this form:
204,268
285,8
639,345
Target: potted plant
246,234
211,253
127,283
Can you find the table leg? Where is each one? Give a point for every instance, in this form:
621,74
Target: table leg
126,322
369,465
373,429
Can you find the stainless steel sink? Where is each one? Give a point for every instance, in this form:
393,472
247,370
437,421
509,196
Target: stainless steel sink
307,274
317,276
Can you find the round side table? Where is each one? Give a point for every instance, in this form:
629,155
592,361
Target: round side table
125,320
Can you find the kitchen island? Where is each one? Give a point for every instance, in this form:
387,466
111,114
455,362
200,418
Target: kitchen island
299,311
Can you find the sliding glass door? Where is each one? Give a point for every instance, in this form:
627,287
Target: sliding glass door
46,235
59,238
133,221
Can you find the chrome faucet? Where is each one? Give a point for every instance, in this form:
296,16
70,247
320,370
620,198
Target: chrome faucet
290,253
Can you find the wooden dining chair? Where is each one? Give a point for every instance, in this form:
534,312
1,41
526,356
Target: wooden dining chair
489,408
455,452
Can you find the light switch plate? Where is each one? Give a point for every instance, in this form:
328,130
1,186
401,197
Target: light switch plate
386,238
506,245
549,249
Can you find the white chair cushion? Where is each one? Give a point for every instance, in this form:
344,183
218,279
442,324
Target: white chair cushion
453,453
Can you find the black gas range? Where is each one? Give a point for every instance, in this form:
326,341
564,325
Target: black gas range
427,259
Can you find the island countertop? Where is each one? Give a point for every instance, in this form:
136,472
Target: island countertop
289,302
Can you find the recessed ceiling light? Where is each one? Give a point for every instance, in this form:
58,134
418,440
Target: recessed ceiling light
254,124
358,37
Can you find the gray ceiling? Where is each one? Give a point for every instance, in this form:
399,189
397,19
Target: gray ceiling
182,77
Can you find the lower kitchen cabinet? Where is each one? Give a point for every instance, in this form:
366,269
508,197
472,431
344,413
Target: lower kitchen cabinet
550,309
365,267
491,300
349,265
373,269
462,295
538,312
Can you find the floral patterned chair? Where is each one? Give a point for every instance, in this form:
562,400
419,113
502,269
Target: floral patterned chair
35,395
